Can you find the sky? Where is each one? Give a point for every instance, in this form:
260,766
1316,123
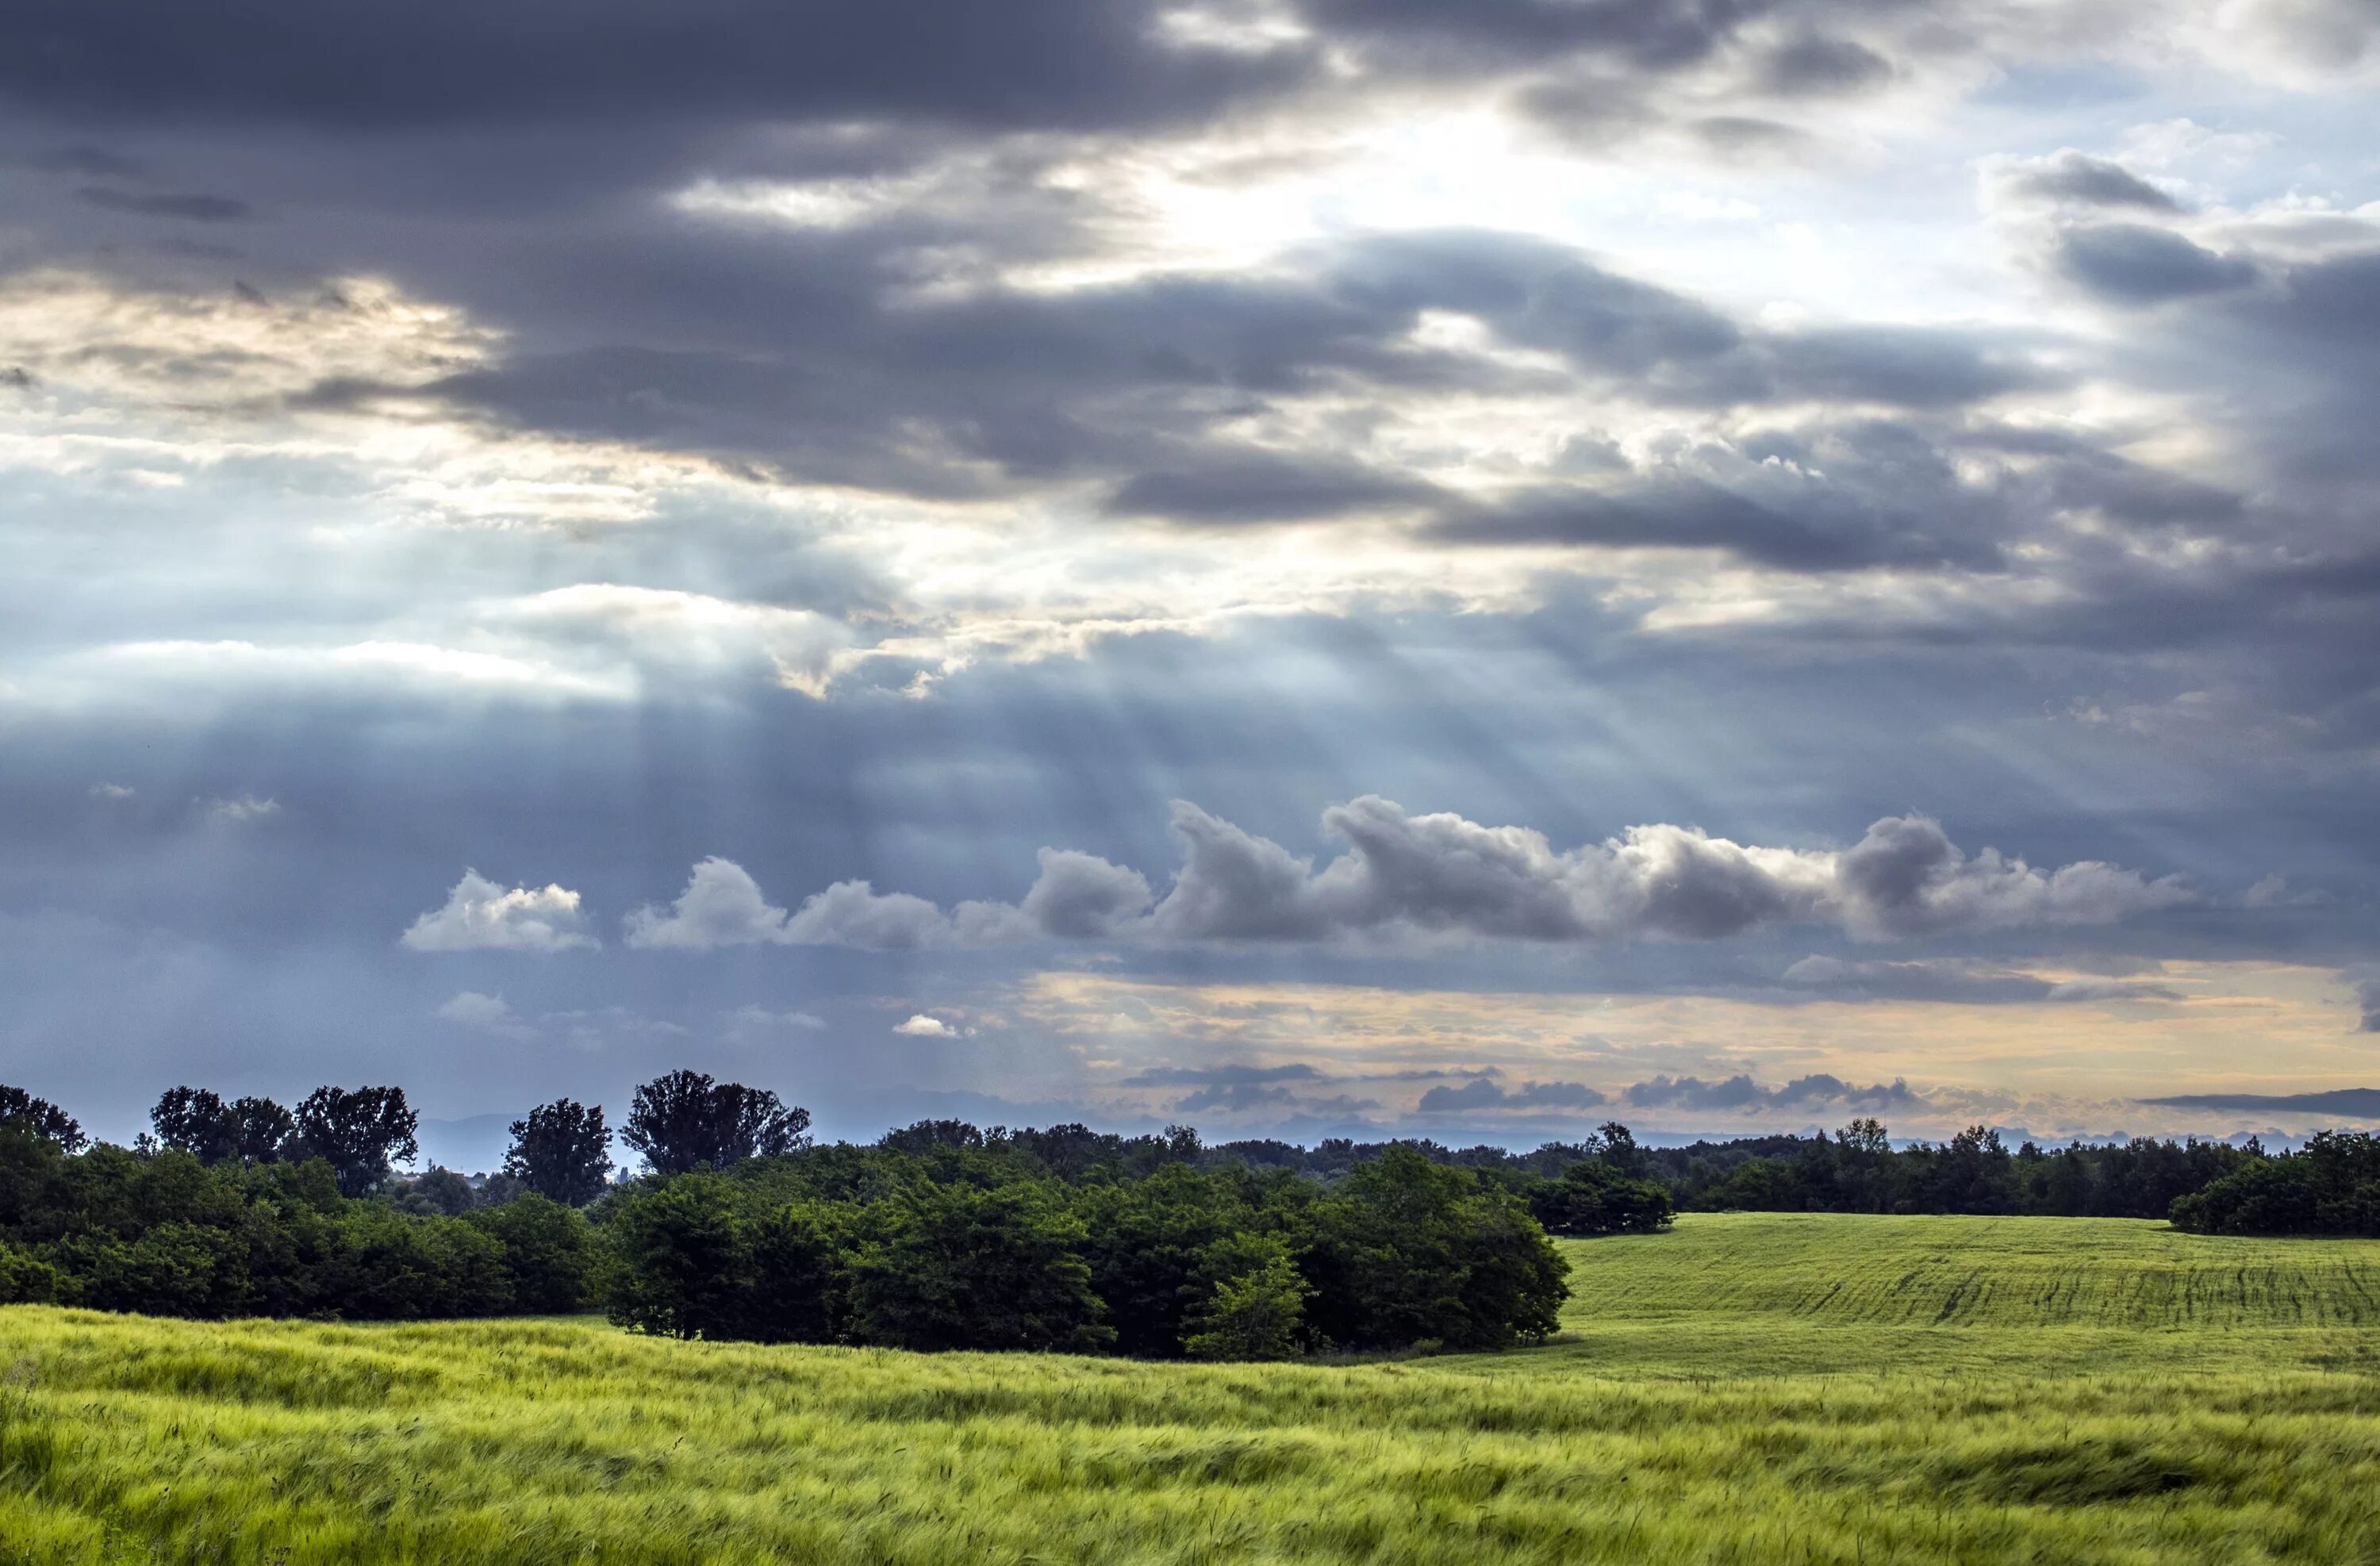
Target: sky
1303,567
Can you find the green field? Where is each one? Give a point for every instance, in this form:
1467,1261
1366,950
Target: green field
1752,1388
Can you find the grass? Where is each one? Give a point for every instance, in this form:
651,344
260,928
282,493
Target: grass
1753,1388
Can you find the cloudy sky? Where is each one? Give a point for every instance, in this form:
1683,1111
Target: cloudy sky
1304,566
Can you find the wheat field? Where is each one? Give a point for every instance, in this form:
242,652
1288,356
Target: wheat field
1752,1388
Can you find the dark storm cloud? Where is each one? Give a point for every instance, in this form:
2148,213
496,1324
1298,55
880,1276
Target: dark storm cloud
1741,1092
816,373
1814,65
96,162
2077,179
1845,521
383,64
1649,33
1227,487
1239,1097
2326,311
2134,266
194,208
1678,514
1481,1093
2361,1101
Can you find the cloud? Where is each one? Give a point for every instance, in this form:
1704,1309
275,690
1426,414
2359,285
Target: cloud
110,791
1441,875
1906,878
747,1019
1243,487
237,810
1817,66
1076,896
722,905
852,913
1050,64
2367,996
480,914
1482,1093
1244,1097
1741,1093
923,1026
1185,1077
2360,1102
488,1014
1959,982
2129,264
1444,874
2073,179
192,207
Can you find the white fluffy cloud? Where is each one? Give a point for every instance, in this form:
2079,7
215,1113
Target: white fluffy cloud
1440,874
923,1026
1406,876
481,915
722,905
1077,895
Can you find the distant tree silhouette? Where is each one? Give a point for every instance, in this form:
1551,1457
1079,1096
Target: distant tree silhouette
685,1119
1865,1136
357,1131
265,1129
563,1151
43,1118
195,1121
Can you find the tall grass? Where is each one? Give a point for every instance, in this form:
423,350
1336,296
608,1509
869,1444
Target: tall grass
1750,1389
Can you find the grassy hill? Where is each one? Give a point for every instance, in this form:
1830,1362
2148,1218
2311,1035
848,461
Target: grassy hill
1752,1388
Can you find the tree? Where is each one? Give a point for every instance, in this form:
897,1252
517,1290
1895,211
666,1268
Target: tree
1256,1313
1865,1136
1593,1198
1620,1149
684,1120
685,1260
924,1135
440,1191
563,1151
964,1268
265,1129
1405,1251
193,1121
549,1252
359,1132
43,1118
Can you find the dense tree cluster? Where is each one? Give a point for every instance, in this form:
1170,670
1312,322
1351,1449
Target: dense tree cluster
2331,1187
941,1236
944,1238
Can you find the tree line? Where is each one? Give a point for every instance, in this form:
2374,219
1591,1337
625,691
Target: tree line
938,1236
942,1234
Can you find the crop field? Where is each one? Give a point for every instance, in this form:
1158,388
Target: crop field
1755,1388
